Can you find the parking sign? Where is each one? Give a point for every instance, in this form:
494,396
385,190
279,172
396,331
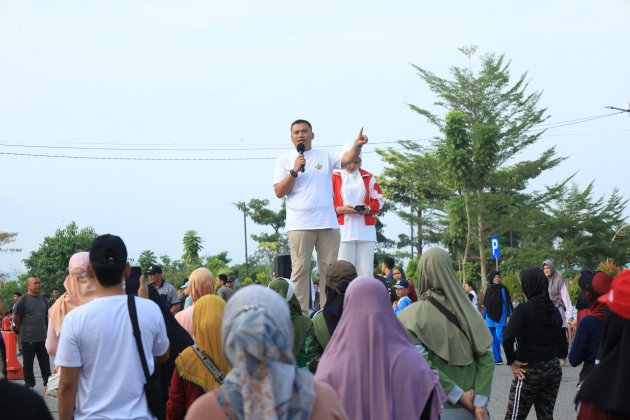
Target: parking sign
494,245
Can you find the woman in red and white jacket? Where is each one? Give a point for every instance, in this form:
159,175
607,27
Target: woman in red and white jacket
357,199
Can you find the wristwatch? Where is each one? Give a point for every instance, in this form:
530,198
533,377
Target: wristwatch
293,173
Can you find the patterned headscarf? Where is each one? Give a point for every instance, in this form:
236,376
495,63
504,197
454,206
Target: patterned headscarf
80,289
264,382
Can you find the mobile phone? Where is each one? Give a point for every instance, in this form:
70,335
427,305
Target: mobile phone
132,282
360,208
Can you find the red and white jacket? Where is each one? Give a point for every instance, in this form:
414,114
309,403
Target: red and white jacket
373,197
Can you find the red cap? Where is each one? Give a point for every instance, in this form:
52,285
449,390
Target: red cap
618,298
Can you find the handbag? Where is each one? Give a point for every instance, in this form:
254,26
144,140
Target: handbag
212,368
152,387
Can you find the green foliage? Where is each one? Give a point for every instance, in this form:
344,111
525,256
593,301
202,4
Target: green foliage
489,120
146,259
512,281
6,292
192,245
218,263
412,269
50,260
574,292
5,239
415,189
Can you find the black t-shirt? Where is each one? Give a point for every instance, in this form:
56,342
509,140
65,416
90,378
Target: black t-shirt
34,313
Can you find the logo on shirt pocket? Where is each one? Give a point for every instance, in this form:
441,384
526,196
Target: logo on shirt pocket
319,166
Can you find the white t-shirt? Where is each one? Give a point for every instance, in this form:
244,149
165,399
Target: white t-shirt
98,337
310,201
353,194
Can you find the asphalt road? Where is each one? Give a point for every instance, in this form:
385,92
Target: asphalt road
502,380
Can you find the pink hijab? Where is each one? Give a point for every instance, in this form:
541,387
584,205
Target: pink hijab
371,362
200,283
80,289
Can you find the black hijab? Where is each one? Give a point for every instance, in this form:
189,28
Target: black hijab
493,300
535,287
339,276
586,285
608,385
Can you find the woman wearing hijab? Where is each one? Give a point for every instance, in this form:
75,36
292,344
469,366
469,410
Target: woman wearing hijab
80,289
200,283
604,393
588,337
452,337
357,198
559,295
373,365
535,327
300,322
339,275
498,310
264,382
199,368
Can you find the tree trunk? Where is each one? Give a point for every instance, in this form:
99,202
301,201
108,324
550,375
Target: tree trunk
482,243
468,234
420,235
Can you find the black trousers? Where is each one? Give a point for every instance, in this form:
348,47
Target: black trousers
29,351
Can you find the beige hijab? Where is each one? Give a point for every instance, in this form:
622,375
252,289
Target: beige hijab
437,280
80,289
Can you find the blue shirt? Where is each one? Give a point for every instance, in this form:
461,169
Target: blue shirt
402,304
506,311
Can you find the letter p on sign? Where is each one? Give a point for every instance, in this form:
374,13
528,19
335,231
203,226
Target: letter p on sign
494,245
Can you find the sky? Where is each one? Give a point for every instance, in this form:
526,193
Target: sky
134,87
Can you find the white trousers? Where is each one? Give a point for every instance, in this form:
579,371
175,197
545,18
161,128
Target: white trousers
360,254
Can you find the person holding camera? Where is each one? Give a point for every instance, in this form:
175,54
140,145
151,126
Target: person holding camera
357,199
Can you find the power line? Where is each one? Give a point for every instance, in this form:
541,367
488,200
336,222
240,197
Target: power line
130,158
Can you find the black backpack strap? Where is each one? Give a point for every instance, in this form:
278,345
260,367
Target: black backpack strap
448,314
131,304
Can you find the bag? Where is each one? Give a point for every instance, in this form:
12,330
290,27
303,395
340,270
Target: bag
52,385
152,387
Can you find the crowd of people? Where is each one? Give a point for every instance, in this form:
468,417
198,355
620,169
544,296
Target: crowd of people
379,347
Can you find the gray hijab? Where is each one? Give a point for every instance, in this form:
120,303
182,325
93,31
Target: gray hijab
555,285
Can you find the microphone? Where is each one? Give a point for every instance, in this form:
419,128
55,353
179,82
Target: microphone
300,148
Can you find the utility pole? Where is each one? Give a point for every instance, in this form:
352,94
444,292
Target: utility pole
245,233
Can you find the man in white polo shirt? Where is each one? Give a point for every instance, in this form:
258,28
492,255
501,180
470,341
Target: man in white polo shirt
311,219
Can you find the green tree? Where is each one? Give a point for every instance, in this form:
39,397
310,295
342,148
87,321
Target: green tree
582,228
218,263
259,212
192,245
5,239
50,260
146,259
500,121
411,183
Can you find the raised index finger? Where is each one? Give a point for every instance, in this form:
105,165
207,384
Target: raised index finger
361,132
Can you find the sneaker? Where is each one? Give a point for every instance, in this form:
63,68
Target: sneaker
499,363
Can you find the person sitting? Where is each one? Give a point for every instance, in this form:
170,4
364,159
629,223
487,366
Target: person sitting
200,368
373,365
452,337
300,322
402,291
200,283
264,382
588,338
325,321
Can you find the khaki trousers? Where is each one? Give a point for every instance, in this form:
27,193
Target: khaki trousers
302,242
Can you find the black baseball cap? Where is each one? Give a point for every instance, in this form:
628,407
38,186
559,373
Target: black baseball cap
154,269
108,249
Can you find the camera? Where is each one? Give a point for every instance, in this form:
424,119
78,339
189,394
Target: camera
360,208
